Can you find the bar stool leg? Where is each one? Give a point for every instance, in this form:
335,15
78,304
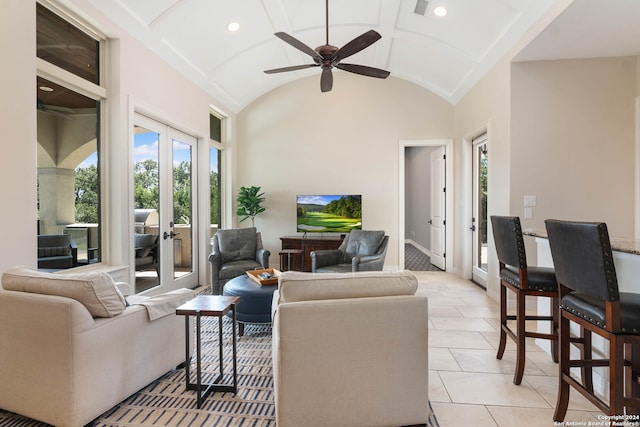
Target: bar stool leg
503,321
520,338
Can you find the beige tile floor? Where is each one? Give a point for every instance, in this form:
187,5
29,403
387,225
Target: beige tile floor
468,385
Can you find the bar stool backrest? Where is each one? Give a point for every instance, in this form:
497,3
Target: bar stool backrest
582,258
509,242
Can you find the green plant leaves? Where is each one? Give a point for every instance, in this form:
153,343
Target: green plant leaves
250,202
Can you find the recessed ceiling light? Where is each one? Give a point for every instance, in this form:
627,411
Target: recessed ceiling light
440,11
233,26
45,89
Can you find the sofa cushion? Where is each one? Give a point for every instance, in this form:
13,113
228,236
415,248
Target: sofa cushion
95,290
298,286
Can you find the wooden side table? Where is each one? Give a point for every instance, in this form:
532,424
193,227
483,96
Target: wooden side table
285,255
209,305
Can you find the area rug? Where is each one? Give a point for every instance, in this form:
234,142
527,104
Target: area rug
165,402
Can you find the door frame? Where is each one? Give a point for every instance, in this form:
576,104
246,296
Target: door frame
403,144
135,108
478,275
466,176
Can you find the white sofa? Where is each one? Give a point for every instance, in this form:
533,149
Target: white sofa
63,365
350,350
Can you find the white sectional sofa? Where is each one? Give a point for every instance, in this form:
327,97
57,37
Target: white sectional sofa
71,348
350,350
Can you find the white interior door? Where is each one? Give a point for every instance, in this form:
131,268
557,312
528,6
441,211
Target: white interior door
437,223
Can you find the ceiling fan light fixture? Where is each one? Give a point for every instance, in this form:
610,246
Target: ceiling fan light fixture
233,26
440,11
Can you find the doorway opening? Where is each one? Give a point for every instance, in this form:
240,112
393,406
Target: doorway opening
426,212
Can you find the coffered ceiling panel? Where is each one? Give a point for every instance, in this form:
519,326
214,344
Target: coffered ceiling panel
444,54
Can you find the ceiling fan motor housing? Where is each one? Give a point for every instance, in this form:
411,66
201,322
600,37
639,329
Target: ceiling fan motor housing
326,51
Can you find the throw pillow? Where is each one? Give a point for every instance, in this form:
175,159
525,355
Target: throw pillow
95,290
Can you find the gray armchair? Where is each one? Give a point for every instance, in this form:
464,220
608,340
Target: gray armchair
56,251
361,250
234,252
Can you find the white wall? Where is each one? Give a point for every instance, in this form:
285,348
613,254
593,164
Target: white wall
297,140
572,141
486,106
17,121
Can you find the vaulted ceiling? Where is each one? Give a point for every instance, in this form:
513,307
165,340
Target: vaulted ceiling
446,55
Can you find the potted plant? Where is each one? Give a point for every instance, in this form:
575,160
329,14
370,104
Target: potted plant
250,203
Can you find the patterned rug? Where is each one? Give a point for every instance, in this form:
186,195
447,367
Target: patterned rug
165,402
416,260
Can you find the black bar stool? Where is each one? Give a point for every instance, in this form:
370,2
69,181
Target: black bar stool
523,281
589,296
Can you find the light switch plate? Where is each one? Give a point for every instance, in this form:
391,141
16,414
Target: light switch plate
529,201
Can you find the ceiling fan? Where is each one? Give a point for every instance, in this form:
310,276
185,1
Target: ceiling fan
327,56
54,110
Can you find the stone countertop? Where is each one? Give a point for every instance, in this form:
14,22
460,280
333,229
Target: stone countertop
617,243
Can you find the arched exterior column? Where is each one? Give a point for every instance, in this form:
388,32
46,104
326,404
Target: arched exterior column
57,199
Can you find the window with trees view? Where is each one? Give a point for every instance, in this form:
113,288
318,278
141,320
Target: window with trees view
68,141
215,168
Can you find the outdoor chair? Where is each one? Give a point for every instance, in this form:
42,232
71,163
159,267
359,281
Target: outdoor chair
56,252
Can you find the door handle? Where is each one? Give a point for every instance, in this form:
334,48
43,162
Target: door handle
473,228
170,234
430,222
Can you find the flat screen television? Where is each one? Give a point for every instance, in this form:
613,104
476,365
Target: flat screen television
329,213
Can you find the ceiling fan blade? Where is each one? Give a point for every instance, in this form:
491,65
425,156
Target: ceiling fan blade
299,45
326,80
292,68
364,70
356,45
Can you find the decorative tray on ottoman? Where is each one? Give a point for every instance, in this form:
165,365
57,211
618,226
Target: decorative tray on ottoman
267,276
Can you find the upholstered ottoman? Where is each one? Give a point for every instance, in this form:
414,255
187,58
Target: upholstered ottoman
255,300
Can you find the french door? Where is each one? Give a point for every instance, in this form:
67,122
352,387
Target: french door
479,203
164,207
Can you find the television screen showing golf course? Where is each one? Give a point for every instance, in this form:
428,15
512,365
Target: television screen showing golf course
329,213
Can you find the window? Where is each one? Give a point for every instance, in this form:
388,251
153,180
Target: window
215,170
68,140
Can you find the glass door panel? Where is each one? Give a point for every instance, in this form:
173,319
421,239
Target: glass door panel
146,203
182,154
479,220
